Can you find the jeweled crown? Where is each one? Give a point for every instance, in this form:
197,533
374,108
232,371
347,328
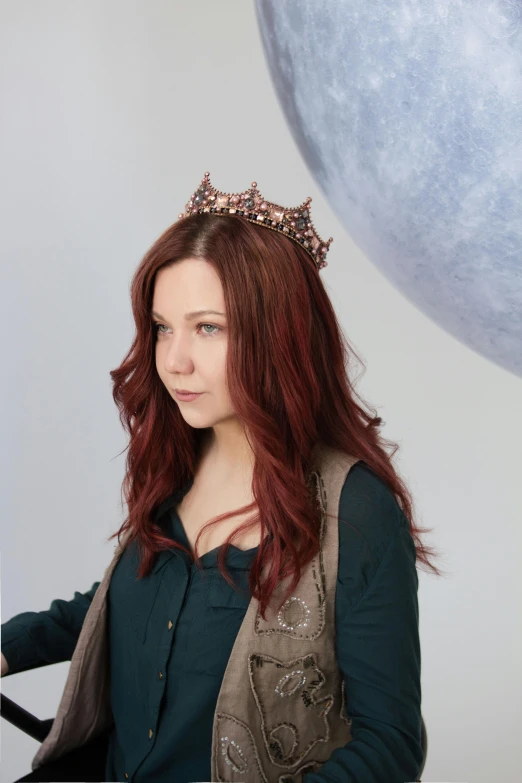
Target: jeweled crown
293,222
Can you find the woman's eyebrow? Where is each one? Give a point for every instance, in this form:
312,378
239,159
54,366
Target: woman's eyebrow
190,316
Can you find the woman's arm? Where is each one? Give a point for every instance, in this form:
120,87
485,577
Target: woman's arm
377,644
33,639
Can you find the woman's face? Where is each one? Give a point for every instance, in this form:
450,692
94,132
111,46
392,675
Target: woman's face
191,351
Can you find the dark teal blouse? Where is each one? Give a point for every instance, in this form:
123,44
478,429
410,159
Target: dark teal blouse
171,635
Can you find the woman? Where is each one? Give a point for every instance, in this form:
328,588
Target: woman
291,654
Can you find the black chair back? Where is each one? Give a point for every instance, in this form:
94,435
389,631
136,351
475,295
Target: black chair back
82,765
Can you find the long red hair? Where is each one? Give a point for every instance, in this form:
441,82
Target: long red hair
288,365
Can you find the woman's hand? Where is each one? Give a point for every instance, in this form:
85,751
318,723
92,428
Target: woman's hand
5,666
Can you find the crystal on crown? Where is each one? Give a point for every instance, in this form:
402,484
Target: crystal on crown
293,222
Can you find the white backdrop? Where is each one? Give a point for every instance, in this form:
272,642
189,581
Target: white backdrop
111,111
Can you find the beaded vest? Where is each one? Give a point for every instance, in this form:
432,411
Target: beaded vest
280,711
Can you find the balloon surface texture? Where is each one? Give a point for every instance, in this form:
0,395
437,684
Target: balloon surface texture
409,116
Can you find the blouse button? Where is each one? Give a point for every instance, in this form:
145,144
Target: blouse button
170,624
150,733
126,774
160,675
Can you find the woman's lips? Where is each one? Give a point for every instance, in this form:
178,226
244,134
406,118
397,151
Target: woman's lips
187,397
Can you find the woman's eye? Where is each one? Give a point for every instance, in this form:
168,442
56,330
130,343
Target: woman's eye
159,330
212,327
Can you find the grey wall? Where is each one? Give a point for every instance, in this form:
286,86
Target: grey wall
111,113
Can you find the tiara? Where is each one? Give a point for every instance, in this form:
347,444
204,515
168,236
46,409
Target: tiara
292,222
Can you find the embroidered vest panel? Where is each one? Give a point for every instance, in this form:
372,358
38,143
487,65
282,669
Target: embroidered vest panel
281,709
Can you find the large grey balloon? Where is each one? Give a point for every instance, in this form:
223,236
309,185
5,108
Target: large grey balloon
409,116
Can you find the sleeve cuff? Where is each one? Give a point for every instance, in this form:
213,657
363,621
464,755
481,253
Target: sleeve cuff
17,648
